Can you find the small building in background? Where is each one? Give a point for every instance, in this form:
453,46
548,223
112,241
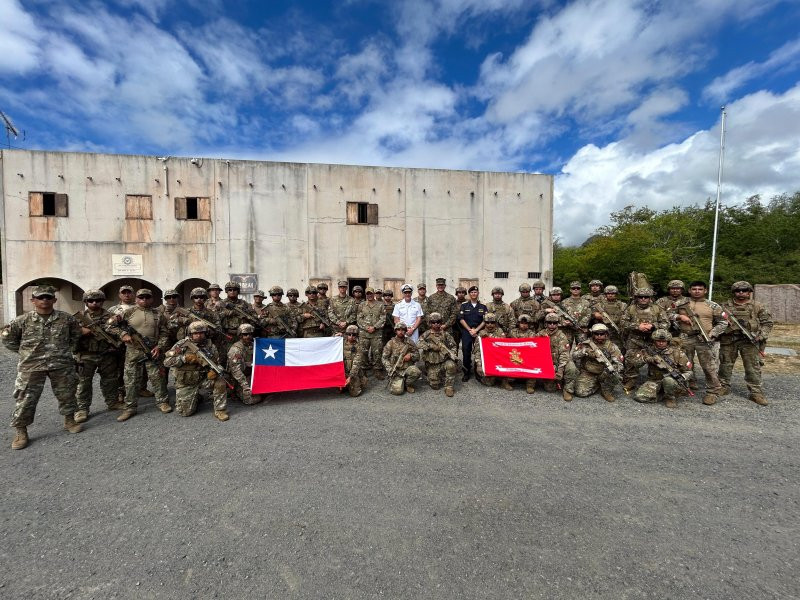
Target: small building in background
80,220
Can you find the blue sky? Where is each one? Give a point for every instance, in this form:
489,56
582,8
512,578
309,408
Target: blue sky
619,99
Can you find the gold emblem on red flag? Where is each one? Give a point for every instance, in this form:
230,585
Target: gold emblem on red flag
515,357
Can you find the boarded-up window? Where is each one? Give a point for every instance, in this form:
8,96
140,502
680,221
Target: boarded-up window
362,213
47,204
394,285
193,208
467,283
138,207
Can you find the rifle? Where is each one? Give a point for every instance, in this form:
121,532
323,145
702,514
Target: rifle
325,320
210,325
667,364
601,356
98,331
607,320
143,343
746,332
241,313
453,356
570,319
285,326
206,357
697,324
394,368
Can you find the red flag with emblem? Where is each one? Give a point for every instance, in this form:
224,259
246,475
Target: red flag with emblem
526,358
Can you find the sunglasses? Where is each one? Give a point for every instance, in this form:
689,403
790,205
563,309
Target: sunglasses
143,297
94,301
292,295
436,322
199,297
45,297
126,291
170,297
351,334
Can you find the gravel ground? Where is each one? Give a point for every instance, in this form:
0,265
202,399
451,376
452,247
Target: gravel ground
490,494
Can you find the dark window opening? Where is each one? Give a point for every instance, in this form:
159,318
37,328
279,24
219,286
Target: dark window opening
501,274
191,209
48,205
534,275
362,212
351,283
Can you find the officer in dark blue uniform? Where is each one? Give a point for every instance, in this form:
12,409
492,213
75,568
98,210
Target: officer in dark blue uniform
470,315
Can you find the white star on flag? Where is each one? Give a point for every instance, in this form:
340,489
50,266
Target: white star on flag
270,352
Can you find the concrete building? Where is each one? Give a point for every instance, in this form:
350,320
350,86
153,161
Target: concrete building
79,220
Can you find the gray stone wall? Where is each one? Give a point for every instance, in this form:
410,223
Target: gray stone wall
782,300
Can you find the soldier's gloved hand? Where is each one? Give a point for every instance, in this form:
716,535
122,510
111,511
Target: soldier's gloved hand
190,358
212,375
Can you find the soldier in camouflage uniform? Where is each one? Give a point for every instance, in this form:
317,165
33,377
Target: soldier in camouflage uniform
505,315
445,304
127,299
579,309
142,323
424,301
213,296
199,312
662,358
675,293
324,303
358,295
193,375
560,351
388,309
639,321
311,325
97,352
595,294
756,319
575,329
370,318
342,310
354,359
698,318
438,350
538,291
277,318
240,366
490,330
233,312
523,330
258,303
609,312
45,340
295,308
461,297
585,373
399,355
526,305
178,319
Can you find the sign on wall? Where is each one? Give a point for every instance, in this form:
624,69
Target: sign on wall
247,281
126,265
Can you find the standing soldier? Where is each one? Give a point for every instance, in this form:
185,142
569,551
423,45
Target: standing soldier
609,311
668,369
701,322
505,315
445,304
523,330
45,340
399,356
438,351
194,359
674,294
538,291
461,297
353,353
595,294
388,308
358,295
277,318
322,297
589,368
234,311
144,332
295,308
240,365
490,330
560,351
525,305
213,296
311,325
199,312
424,301
579,309
98,352
408,311
370,318
342,310
126,300
749,327
258,303
639,321
470,316
177,318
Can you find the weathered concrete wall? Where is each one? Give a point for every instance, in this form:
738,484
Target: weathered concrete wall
285,221
783,301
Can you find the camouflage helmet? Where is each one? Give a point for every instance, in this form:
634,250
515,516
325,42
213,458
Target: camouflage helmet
552,318
369,290
461,290
311,289
644,292
292,292
741,286
611,289
214,286
490,318
352,329
524,287
358,288
400,325
556,290
245,328
435,316
676,283
232,285
662,334
197,327
599,328
538,284
170,292
422,286
199,292
275,290
322,286
575,284
497,290
259,294
523,318
93,295
595,282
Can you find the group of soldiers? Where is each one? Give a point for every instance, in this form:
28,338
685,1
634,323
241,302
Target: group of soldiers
596,342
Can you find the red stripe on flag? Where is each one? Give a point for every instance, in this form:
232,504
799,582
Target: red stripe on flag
267,380
525,358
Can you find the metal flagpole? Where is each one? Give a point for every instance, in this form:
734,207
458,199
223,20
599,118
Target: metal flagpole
716,211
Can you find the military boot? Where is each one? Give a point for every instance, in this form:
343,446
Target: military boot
221,415
20,439
164,407
725,390
116,405
449,391
567,395
506,385
126,414
81,416
530,386
410,389
670,403
145,393
70,424
758,398
710,399
607,396
629,385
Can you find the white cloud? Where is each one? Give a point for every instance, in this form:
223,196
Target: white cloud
20,39
762,157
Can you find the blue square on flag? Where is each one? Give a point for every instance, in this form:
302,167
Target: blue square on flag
282,365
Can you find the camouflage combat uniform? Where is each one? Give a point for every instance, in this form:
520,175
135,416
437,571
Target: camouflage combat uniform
240,366
406,374
755,317
371,314
632,318
504,313
194,377
478,363
354,359
310,327
96,355
230,318
585,374
445,304
614,309
525,306
439,363
341,310
560,353
279,321
578,309
658,380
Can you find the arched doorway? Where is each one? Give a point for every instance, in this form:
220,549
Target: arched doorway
111,290
69,296
185,287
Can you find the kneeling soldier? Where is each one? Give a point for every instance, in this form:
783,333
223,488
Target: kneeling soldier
523,330
399,356
240,365
354,356
194,359
596,363
490,330
668,370
559,350
439,354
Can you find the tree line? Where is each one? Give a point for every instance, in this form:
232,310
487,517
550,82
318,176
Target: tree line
756,242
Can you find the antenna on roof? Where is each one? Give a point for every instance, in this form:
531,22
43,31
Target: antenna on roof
10,128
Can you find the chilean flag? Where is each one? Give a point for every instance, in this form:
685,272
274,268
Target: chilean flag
527,358
283,365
